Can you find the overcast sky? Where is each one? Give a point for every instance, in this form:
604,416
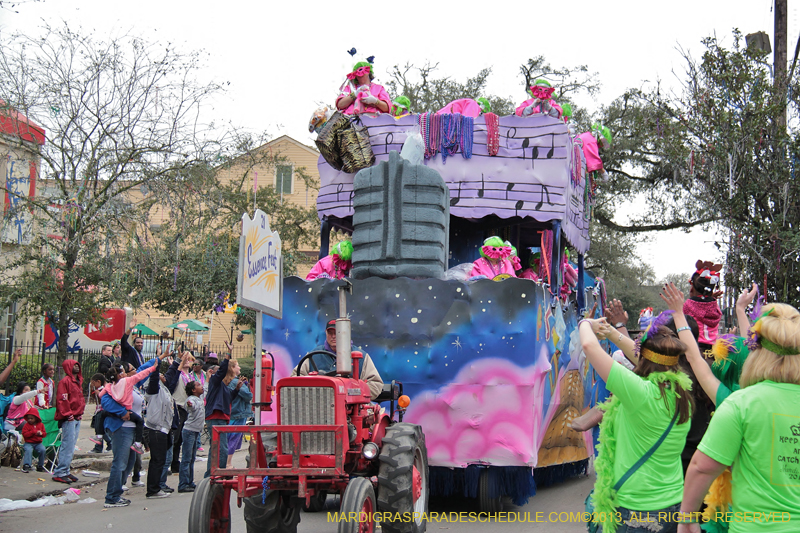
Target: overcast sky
282,59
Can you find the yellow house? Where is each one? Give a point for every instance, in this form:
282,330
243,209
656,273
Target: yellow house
284,177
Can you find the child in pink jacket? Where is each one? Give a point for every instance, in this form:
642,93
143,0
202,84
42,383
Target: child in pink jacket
121,390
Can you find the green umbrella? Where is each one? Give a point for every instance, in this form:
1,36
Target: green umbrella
143,330
189,324
247,331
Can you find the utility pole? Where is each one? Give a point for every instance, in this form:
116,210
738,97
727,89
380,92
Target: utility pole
780,58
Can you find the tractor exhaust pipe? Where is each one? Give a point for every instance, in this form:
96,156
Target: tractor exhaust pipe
344,363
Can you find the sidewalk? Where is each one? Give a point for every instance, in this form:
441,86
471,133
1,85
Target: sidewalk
14,485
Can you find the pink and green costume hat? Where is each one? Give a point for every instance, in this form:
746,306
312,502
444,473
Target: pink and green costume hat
495,248
359,69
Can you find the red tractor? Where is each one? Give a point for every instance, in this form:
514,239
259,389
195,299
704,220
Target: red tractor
330,438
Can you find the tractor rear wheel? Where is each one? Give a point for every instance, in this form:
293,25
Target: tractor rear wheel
276,515
403,477
358,500
209,512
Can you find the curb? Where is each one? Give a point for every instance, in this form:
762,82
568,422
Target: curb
99,462
60,491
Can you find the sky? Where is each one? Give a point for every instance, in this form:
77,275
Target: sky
284,59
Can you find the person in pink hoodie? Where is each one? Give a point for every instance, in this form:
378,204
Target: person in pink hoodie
702,303
541,101
335,266
120,388
359,95
494,261
531,272
591,149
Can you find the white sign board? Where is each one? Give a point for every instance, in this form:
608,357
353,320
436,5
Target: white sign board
260,283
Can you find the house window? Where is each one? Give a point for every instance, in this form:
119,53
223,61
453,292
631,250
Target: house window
283,179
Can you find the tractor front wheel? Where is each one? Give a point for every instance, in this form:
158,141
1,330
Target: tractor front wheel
358,501
210,510
403,477
276,515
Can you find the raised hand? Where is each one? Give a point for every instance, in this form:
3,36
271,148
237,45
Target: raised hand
673,297
17,355
747,297
616,314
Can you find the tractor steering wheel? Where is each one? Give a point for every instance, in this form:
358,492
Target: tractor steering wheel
311,362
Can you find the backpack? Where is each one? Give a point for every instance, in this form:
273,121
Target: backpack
12,455
5,403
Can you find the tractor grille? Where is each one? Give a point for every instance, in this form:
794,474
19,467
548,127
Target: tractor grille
308,406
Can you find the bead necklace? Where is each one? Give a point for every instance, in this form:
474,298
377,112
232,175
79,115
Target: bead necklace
492,133
467,130
450,132
423,129
436,132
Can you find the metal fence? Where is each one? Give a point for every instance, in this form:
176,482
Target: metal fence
35,356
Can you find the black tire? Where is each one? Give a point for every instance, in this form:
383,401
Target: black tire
487,501
206,508
403,449
359,497
317,502
276,515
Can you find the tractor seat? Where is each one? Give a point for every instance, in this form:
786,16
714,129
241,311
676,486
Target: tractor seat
391,391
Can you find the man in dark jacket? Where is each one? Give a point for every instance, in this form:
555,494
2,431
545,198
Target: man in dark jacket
106,359
132,354
159,424
69,410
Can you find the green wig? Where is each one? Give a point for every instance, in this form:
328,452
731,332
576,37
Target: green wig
399,104
601,131
486,107
495,242
344,250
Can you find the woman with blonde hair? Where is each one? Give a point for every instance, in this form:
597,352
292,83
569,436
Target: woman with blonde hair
644,428
756,431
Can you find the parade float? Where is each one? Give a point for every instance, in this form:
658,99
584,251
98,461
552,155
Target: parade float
493,367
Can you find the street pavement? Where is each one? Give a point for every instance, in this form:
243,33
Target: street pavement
548,511
171,514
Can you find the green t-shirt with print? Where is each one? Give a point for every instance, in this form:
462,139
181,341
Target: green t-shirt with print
641,420
757,430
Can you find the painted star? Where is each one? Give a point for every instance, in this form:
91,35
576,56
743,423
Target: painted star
457,343
286,334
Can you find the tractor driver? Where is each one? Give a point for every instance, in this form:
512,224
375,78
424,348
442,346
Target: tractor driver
326,363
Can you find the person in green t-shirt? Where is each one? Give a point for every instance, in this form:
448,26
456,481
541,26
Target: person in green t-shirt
756,431
641,410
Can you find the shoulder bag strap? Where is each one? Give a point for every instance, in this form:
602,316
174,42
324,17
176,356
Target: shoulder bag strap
647,454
